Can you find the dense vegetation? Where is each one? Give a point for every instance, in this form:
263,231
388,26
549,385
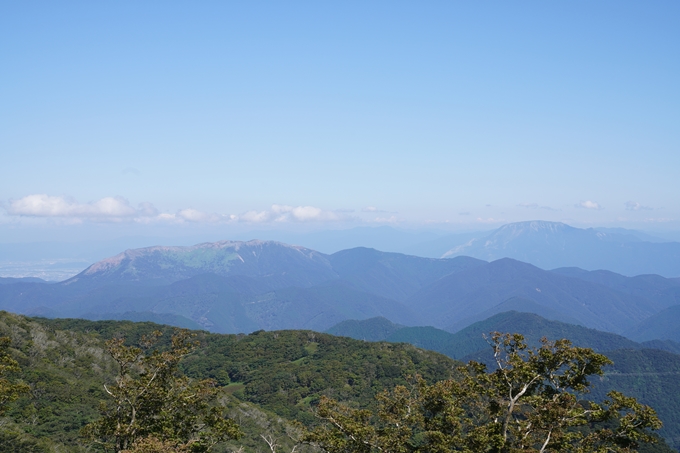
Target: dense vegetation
534,400
266,380
640,370
65,363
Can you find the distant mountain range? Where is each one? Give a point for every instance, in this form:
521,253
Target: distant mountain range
550,245
544,244
8,280
469,344
462,298
232,287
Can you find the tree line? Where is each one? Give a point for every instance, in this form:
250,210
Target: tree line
535,400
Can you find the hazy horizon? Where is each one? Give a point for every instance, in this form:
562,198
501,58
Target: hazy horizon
212,120
58,259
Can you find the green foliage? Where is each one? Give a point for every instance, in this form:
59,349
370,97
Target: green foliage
151,400
65,363
9,389
652,376
531,402
18,442
285,371
649,375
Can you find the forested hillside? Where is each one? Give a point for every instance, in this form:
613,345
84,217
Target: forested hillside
642,370
267,379
262,374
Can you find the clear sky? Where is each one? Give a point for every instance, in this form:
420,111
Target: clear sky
149,116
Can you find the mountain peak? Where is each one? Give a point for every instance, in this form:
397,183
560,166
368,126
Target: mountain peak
173,263
135,254
531,226
550,245
506,235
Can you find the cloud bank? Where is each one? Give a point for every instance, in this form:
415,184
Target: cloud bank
285,213
117,209
111,208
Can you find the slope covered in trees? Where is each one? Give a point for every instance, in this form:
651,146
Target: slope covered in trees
642,370
533,400
285,373
65,363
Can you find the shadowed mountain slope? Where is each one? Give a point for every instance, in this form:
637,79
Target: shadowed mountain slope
246,286
394,275
471,339
462,344
372,329
458,299
664,325
665,291
228,304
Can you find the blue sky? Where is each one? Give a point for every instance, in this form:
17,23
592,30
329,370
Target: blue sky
142,117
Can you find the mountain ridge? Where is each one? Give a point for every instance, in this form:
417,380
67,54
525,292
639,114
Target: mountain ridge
470,292
172,263
235,286
550,245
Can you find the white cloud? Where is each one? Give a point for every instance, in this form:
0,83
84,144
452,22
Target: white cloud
307,213
285,213
166,217
117,209
635,206
42,205
193,215
589,205
255,217
277,213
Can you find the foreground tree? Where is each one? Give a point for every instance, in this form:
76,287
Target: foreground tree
10,390
153,407
534,401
